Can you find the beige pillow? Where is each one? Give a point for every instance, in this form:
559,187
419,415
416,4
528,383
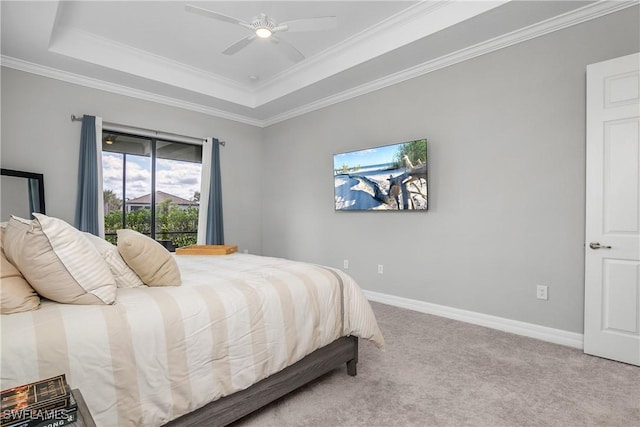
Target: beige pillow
58,261
125,277
148,258
15,293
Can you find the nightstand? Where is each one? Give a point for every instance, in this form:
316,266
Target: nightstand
84,416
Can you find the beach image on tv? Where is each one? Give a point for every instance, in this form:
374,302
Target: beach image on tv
391,177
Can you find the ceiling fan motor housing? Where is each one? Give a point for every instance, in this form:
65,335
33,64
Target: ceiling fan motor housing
263,22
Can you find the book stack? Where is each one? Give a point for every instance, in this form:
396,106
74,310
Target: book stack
46,403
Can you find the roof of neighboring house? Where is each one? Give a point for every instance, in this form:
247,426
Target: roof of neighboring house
161,196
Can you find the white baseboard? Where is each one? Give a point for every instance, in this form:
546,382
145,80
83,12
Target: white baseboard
557,336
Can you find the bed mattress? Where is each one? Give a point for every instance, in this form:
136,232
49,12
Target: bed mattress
161,352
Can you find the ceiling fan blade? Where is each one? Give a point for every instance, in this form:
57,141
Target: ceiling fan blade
291,52
240,44
215,15
309,24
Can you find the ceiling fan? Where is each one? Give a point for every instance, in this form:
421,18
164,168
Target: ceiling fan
264,27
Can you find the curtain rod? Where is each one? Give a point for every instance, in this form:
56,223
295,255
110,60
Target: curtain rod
148,132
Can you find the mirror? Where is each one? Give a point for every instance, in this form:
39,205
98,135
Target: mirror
22,194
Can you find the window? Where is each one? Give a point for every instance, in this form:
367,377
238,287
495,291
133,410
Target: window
139,173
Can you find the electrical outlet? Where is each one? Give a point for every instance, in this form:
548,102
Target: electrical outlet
380,269
345,264
246,251
542,292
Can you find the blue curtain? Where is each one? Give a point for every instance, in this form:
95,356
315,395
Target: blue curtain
215,229
87,216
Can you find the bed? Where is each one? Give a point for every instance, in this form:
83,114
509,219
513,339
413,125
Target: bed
241,331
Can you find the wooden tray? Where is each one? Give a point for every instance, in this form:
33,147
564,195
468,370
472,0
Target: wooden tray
207,250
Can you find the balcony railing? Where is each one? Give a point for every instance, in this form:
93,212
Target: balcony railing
169,239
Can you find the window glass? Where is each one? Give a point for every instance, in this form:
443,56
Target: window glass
178,171
139,173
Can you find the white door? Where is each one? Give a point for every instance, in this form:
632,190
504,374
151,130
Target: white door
612,249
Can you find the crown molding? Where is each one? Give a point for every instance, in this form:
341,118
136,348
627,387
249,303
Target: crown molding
338,49
53,73
578,16
560,22
416,22
111,54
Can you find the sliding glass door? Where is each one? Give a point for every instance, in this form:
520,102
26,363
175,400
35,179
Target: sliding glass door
151,186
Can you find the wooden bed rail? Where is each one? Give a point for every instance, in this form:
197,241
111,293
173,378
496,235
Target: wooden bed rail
231,408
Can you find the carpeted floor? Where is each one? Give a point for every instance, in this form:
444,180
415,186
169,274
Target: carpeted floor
441,372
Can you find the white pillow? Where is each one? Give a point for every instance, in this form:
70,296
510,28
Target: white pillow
58,261
16,294
148,258
125,276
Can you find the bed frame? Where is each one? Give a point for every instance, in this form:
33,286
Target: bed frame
233,407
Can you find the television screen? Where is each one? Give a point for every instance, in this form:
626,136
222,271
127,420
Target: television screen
391,177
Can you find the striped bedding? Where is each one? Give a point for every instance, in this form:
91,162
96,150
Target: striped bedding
159,353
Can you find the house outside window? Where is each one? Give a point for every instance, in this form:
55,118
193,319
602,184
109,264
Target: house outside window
140,173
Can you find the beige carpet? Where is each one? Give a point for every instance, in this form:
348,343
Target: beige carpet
441,372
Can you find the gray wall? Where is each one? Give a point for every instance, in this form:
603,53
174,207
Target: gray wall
506,138
38,136
506,135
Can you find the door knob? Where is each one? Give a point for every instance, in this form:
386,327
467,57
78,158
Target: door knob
597,245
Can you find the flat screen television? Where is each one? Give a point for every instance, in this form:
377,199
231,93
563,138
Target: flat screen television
387,178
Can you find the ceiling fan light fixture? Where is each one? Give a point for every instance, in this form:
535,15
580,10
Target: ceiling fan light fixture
263,32
263,26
